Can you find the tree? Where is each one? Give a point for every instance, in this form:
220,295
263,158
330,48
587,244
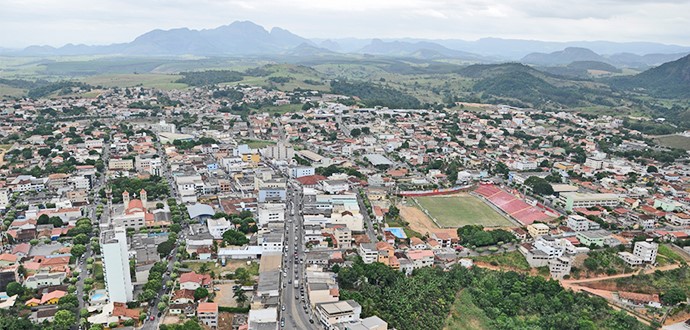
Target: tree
165,248
96,327
539,186
43,219
81,239
200,293
674,296
501,168
14,288
63,320
239,296
162,305
78,250
652,169
355,132
234,237
203,269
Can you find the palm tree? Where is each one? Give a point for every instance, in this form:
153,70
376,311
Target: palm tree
239,296
204,268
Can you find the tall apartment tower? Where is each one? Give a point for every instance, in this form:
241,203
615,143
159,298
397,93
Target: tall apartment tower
118,280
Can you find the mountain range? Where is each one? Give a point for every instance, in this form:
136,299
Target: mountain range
579,54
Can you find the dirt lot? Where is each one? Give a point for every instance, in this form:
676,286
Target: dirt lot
224,296
419,222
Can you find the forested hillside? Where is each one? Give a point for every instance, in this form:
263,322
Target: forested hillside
508,299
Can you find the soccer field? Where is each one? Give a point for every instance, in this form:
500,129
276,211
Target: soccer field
457,211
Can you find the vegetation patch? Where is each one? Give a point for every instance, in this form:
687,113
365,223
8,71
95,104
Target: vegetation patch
508,299
465,315
513,260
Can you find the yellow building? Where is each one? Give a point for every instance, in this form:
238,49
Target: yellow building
251,158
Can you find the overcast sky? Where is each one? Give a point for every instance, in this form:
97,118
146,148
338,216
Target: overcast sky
58,22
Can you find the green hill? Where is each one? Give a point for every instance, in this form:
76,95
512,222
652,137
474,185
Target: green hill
669,80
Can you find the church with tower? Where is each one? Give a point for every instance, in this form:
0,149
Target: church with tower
134,212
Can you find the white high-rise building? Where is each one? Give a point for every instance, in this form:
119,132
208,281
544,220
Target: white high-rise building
118,280
646,251
4,198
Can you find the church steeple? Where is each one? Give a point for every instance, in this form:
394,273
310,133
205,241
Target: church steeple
125,198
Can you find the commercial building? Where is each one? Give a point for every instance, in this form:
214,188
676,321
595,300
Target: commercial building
118,164
118,281
330,314
270,212
368,252
537,229
573,200
217,227
597,237
300,171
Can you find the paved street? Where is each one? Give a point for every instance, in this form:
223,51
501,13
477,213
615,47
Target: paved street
296,316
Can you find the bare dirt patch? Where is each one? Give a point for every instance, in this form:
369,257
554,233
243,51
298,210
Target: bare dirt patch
419,222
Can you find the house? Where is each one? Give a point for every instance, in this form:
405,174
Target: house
187,309
41,280
41,315
421,258
207,313
630,259
417,244
646,251
192,281
7,259
640,299
182,296
50,298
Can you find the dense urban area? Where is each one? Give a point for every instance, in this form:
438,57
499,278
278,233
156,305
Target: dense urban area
195,209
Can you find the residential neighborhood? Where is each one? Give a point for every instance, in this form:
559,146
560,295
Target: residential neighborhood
124,216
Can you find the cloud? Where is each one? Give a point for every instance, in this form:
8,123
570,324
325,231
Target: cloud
27,22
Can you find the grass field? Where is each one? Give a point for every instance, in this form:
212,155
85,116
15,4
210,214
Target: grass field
257,144
674,141
152,80
457,211
465,315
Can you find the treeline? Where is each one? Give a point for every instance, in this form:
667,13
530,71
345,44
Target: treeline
375,95
63,86
475,235
40,88
649,127
210,77
508,299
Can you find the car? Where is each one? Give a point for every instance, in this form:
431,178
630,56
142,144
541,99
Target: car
296,297
152,318
160,313
311,321
216,289
289,281
283,307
